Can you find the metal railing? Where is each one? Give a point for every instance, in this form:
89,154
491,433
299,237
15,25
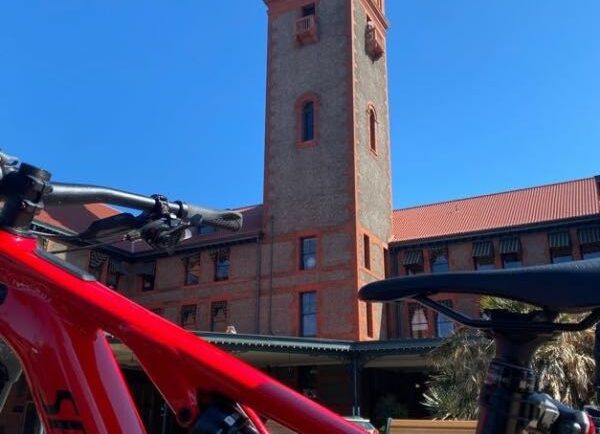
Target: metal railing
305,25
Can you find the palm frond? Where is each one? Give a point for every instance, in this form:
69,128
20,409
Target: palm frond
565,368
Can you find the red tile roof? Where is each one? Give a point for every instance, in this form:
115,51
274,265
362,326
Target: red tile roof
74,217
509,209
546,203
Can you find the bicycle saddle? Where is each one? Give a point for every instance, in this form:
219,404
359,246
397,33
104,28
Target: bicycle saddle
567,287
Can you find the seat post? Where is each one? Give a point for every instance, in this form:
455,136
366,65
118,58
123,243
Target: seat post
504,405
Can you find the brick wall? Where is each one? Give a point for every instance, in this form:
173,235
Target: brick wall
534,251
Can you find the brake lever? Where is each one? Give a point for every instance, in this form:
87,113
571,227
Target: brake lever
164,233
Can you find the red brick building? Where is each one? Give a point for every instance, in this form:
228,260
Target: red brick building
532,226
287,283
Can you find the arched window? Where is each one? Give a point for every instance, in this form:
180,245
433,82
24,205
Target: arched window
372,129
306,109
308,121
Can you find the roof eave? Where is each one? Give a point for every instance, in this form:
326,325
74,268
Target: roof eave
494,232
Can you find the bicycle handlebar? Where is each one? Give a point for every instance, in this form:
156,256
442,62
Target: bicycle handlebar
28,188
70,194
66,194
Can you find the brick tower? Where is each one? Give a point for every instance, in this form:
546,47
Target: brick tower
327,194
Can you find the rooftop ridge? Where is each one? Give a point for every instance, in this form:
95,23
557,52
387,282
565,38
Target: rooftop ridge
499,193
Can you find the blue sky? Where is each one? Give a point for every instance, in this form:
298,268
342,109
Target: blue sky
156,96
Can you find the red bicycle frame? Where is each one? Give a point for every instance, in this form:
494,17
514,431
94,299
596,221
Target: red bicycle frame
56,321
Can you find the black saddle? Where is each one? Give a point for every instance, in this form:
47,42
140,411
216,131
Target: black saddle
567,287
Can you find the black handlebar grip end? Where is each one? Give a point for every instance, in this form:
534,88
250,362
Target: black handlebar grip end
225,219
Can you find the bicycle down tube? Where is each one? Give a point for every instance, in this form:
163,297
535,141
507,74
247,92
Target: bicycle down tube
56,320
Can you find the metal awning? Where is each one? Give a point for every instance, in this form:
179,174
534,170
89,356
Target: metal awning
261,350
589,235
557,240
413,257
510,245
483,249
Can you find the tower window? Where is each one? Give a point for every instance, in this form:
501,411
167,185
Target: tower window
386,262
306,25
308,121
308,10
306,110
372,130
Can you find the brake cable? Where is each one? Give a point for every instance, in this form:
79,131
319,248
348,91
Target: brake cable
133,236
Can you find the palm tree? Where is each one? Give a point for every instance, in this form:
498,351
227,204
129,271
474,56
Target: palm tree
565,368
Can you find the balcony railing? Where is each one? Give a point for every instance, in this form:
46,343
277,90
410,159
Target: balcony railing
375,42
306,29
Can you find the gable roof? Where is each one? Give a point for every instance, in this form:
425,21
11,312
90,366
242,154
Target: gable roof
535,205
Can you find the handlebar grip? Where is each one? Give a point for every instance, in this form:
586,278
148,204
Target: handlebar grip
225,219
